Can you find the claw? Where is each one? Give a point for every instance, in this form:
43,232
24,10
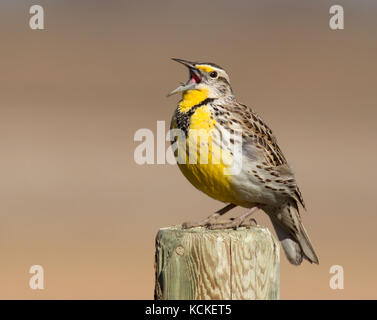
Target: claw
213,222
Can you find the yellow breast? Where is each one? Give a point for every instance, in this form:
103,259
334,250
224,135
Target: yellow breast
191,98
206,164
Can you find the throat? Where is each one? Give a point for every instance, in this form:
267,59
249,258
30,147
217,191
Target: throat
191,98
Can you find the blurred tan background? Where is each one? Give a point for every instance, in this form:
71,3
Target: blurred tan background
73,200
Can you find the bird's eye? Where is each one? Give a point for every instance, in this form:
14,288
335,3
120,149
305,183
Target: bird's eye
213,74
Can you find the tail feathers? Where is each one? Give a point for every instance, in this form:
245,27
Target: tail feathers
290,246
292,234
307,246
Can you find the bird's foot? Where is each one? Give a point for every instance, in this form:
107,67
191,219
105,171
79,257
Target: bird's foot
234,223
212,219
204,223
218,224
191,224
243,220
214,223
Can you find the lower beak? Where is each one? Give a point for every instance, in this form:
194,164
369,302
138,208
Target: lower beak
181,88
187,85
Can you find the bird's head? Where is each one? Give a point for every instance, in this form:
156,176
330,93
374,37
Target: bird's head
207,77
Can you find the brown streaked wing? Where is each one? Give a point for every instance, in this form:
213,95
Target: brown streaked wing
261,136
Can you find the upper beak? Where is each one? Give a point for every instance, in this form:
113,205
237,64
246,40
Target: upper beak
188,64
188,85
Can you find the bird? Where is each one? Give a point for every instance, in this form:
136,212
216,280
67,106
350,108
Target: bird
263,179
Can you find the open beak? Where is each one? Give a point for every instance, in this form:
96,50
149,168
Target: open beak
194,79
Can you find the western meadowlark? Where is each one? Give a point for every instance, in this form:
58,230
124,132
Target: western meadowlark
265,180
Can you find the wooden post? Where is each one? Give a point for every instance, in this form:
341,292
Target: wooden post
198,264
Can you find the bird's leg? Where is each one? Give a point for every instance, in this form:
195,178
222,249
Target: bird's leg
243,220
208,221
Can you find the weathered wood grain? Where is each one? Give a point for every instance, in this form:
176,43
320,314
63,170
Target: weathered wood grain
216,264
